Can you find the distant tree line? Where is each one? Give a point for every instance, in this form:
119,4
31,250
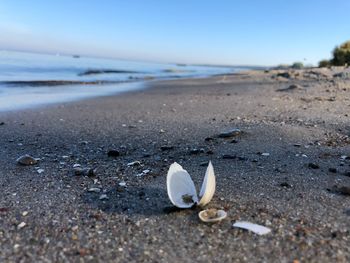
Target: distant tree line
341,56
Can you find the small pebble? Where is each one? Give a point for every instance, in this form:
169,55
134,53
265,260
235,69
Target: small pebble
94,189
194,151
40,171
122,184
203,164
229,156
27,160
285,184
103,197
230,133
113,153
332,170
313,166
166,147
21,225
134,163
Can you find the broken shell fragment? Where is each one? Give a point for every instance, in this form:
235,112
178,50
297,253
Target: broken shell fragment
257,229
212,215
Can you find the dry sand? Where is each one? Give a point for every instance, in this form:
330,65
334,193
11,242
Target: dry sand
52,215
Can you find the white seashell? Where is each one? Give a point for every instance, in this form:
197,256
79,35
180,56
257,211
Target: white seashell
208,186
212,215
257,229
181,189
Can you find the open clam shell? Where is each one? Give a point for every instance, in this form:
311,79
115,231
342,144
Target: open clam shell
212,215
208,186
181,190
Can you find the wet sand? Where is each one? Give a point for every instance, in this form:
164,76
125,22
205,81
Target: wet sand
295,189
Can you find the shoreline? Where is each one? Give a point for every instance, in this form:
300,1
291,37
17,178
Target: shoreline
301,119
50,92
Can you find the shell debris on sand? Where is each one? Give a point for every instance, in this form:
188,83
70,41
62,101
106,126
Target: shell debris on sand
257,229
212,215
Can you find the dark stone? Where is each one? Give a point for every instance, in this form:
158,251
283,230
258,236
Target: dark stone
166,147
234,141
332,170
194,151
284,75
2,123
208,139
313,166
291,88
171,209
344,190
230,133
210,152
26,160
203,164
347,173
113,153
285,184
229,156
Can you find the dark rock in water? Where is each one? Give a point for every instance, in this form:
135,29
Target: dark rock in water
347,173
230,133
229,156
166,147
106,71
26,160
113,153
234,141
210,152
332,170
208,139
313,166
2,123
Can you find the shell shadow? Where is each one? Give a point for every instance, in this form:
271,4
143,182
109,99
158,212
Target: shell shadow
130,200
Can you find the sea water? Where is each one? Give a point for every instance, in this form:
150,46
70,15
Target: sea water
26,78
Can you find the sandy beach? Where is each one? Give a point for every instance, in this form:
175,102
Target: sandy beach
288,169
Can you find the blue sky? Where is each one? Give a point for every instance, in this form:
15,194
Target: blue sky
190,31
